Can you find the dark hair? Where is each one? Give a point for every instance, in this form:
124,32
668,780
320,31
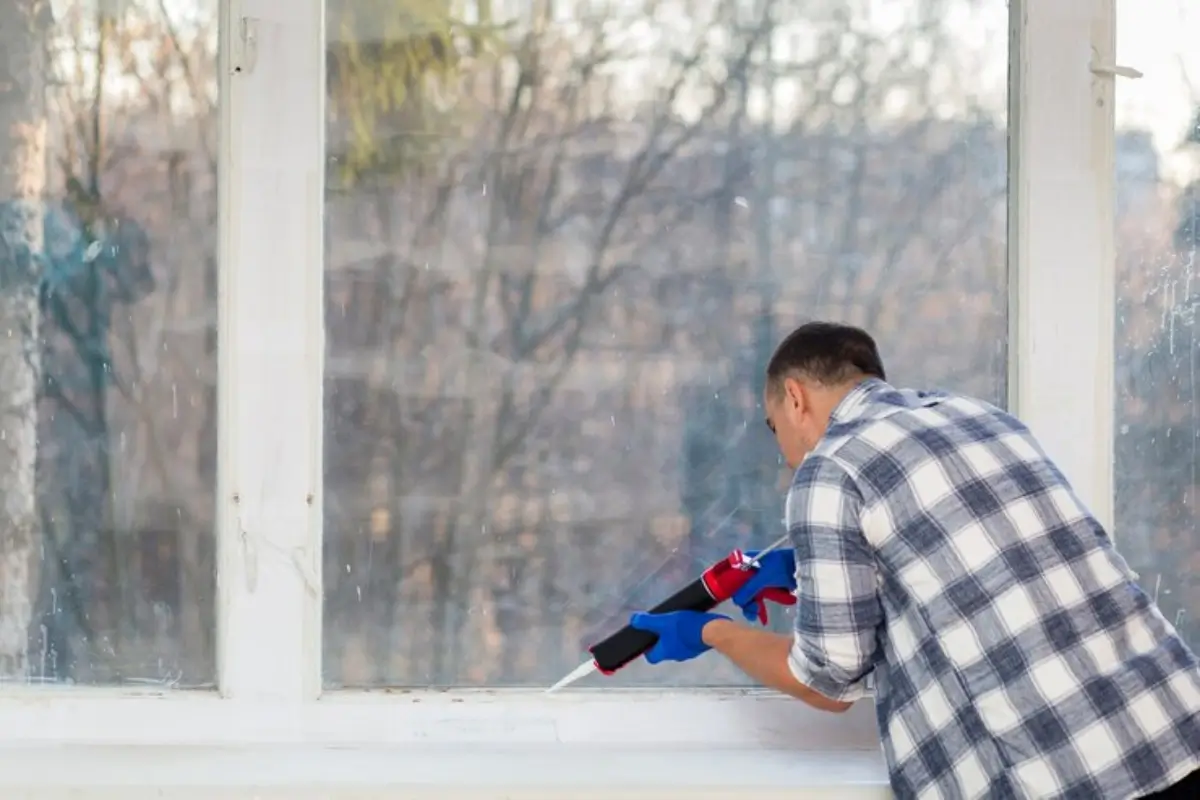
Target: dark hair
827,352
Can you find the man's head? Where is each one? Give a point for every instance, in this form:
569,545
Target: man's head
808,375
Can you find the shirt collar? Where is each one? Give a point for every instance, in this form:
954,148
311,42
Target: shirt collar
855,401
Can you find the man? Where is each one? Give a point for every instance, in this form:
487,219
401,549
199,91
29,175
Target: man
939,552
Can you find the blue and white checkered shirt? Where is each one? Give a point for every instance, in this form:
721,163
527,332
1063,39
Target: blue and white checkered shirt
941,553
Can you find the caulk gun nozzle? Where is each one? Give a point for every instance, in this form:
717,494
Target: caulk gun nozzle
582,671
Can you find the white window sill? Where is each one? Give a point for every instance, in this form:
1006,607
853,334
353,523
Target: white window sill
444,771
97,744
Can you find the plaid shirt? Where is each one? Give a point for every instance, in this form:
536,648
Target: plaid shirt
941,553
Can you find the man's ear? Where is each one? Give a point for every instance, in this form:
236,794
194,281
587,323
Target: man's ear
793,392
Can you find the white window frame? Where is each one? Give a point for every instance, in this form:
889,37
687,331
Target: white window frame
270,390
1061,236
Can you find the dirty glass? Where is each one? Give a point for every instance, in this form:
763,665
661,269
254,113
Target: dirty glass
1157,447
108,346
563,239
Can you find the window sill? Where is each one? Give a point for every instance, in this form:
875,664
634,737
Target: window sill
298,772
486,744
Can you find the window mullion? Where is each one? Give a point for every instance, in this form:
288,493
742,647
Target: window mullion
1061,235
271,194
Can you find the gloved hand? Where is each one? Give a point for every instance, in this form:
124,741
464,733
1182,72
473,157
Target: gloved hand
679,633
774,579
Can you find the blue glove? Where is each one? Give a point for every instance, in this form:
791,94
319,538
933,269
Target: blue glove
679,634
774,579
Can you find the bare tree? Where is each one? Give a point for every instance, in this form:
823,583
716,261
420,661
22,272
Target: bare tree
513,322
22,186
126,345
545,207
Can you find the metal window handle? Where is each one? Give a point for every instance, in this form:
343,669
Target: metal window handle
1116,71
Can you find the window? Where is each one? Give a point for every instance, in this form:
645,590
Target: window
495,288
563,242
108,453
1157,236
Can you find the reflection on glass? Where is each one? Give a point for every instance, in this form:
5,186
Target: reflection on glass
563,239
1158,339
107,361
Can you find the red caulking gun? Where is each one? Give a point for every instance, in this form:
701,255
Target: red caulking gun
718,583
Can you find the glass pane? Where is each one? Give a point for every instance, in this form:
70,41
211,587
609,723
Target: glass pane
563,239
108,364
1158,340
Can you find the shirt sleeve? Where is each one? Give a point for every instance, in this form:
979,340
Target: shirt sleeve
837,596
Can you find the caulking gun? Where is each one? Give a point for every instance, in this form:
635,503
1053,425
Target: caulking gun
718,583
